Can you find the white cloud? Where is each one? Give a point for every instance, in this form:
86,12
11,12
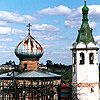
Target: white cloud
94,9
6,40
36,27
2,47
74,14
44,27
47,46
3,23
97,39
15,17
72,20
93,24
72,23
59,10
9,30
5,30
76,23
17,31
48,38
6,51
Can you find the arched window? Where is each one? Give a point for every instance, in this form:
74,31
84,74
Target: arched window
91,58
81,58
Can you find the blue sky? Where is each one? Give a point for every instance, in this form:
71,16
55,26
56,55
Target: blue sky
55,25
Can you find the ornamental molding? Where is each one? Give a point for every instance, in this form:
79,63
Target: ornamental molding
86,84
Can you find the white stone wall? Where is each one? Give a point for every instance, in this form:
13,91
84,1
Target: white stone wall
85,76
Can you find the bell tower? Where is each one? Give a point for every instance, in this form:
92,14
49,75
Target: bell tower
85,74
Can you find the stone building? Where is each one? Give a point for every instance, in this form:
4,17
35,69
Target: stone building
27,82
85,75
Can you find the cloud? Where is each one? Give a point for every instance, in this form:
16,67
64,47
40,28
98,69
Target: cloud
10,17
5,48
74,14
9,30
6,40
70,12
47,46
44,27
17,31
72,20
3,23
2,47
76,23
72,23
59,10
94,9
97,39
6,51
93,24
5,30
36,27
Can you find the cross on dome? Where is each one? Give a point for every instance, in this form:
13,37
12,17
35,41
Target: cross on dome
29,28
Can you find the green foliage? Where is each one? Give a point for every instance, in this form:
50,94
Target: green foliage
61,69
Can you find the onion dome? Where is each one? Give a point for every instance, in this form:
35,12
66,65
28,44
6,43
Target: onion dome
29,48
85,9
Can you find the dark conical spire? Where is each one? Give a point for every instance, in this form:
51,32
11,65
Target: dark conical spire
85,32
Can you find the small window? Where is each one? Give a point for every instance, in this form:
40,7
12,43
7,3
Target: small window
81,58
92,89
91,58
25,66
74,58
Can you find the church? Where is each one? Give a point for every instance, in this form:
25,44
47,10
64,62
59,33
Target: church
85,74
28,82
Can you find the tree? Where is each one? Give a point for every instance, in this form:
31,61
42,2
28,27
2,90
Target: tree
49,63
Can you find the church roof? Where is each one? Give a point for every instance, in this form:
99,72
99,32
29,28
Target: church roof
29,75
85,32
29,48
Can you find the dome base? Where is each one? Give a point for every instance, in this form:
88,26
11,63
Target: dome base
29,65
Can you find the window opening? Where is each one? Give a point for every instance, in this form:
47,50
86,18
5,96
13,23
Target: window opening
92,89
81,58
25,66
91,58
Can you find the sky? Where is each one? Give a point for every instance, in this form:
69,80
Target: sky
55,25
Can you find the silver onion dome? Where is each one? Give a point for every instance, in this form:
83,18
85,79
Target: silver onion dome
29,48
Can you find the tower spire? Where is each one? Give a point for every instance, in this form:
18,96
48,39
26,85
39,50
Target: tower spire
85,32
85,2
29,28
85,10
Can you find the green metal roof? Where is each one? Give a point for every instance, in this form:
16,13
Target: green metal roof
85,32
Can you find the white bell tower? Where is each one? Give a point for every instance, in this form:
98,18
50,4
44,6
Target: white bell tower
85,75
